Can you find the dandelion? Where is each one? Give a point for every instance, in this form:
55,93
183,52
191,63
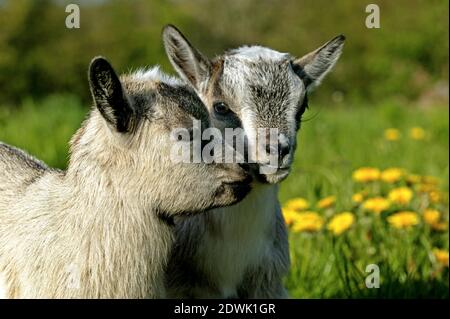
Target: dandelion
427,188
297,204
435,196
441,256
417,133
366,174
403,219
308,222
357,198
392,134
326,202
341,222
290,216
432,191
433,218
401,195
376,204
392,175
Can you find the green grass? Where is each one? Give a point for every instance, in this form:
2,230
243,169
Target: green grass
43,128
333,142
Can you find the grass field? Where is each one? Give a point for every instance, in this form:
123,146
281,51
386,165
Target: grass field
333,143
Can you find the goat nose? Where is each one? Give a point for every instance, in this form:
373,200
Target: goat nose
282,151
271,149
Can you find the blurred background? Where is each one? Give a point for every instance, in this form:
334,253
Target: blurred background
406,59
384,106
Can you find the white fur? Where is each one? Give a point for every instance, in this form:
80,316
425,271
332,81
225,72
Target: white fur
256,52
248,120
244,239
155,74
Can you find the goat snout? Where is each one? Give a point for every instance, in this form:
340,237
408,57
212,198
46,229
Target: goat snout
281,150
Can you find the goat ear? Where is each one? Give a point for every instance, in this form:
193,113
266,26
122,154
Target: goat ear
313,67
190,64
109,95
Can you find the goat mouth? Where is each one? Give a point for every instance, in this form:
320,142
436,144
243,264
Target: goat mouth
279,174
232,191
240,189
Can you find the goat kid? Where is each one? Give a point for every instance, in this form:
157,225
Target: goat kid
102,228
242,251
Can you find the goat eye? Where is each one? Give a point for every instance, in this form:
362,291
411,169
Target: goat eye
221,108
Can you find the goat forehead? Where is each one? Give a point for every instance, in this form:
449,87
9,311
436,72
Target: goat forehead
256,52
269,88
145,87
153,74
186,100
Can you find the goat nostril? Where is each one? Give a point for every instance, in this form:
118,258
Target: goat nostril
272,149
283,150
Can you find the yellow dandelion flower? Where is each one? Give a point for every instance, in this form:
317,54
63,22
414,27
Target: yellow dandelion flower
401,195
297,204
326,202
431,216
366,174
358,198
403,219
308,222
435,196
290,216
392,134
427,188
441,256
392,175
376,204
417,133
341,222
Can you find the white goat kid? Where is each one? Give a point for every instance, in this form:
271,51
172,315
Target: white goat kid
242,251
